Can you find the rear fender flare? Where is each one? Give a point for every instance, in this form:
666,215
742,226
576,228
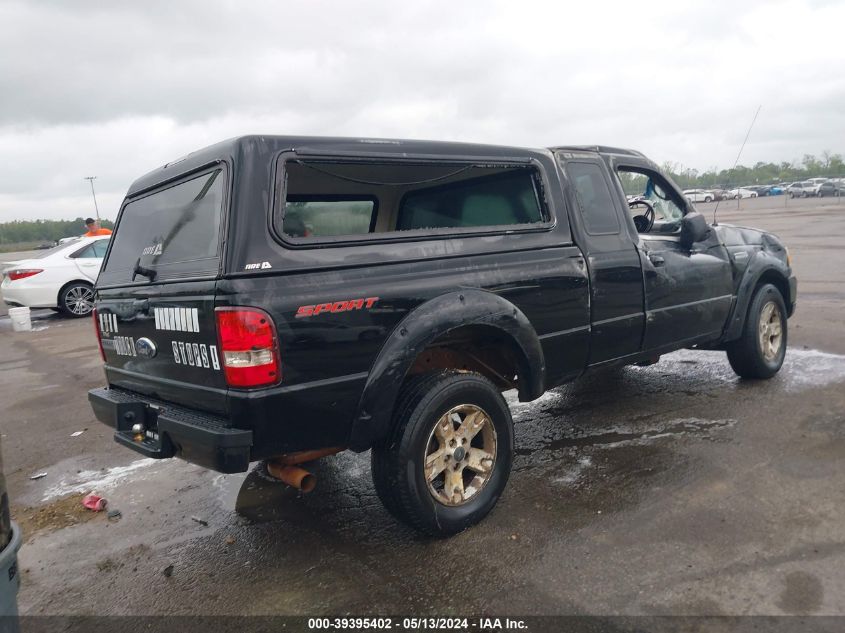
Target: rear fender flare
422,326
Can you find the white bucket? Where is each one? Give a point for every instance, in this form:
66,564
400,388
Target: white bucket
21,321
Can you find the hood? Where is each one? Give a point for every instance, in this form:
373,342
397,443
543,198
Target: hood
731,235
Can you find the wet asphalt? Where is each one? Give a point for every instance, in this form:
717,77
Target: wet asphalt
669,489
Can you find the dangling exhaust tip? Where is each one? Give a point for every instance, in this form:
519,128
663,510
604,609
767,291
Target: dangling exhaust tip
293,476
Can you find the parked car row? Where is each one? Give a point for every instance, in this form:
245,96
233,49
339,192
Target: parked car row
813,187
816,187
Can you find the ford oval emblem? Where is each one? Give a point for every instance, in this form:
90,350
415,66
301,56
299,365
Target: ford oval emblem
145,347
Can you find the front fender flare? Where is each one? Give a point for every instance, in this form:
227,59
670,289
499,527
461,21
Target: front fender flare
763,264
422,326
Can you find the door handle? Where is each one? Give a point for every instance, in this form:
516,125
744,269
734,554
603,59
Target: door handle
656,259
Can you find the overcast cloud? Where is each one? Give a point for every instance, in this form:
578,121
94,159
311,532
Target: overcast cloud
115,89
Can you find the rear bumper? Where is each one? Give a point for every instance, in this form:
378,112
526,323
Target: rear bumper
172,431
15,295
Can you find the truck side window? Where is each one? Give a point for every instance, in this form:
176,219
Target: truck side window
347,199
648,185
594,198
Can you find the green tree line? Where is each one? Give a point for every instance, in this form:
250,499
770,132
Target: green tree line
21,231
827,166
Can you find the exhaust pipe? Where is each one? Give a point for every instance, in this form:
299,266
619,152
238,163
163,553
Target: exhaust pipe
284,467
293,476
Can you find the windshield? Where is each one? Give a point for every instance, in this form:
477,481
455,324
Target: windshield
174,231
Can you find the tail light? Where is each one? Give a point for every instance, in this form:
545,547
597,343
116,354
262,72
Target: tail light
99,335
23,273
248,346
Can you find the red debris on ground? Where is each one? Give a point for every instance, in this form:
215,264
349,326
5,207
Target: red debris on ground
94,502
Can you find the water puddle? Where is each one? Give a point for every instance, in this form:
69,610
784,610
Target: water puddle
802,368
99,481
617,436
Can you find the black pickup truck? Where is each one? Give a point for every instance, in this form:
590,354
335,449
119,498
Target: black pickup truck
284,298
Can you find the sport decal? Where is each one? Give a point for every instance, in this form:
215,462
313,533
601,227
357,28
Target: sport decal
344,305
177,319
108,323
196,355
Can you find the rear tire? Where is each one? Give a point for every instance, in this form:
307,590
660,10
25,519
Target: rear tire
759,352
450,425
76,299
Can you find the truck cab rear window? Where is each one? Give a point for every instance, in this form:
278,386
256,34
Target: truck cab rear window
346,199
324,216
173,231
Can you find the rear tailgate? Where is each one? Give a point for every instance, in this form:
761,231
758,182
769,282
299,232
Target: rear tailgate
155,294
164,345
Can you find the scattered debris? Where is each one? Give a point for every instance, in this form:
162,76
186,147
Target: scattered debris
230,540
200,521
94,502
56,515
513,537
114,515
107,564
167,571
38,476
78,433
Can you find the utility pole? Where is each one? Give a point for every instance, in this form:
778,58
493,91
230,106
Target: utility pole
91,179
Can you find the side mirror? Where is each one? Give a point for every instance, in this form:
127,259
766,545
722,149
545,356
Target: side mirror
694,228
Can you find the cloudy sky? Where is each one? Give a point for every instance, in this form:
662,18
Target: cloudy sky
114,89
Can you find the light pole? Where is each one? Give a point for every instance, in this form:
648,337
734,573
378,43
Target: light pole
96,210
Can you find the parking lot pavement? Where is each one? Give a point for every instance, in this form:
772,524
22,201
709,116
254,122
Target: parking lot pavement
669,489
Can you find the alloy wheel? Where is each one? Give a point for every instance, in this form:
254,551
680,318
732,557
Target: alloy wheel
770,331
460,454
80,300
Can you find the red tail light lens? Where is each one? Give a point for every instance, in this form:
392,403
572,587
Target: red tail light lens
97,332
23,273
249,348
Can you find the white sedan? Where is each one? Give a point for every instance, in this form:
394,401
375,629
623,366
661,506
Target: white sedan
699,195
742,192
61,278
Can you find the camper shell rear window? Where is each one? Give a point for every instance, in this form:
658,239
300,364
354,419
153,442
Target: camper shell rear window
173,230
336,200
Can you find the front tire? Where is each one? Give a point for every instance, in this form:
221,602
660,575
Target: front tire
708,199
76,299
760,351
448,456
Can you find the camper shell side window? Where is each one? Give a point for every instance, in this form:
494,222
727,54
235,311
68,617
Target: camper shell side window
324,201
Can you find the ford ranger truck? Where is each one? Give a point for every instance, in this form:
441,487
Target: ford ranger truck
280,299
